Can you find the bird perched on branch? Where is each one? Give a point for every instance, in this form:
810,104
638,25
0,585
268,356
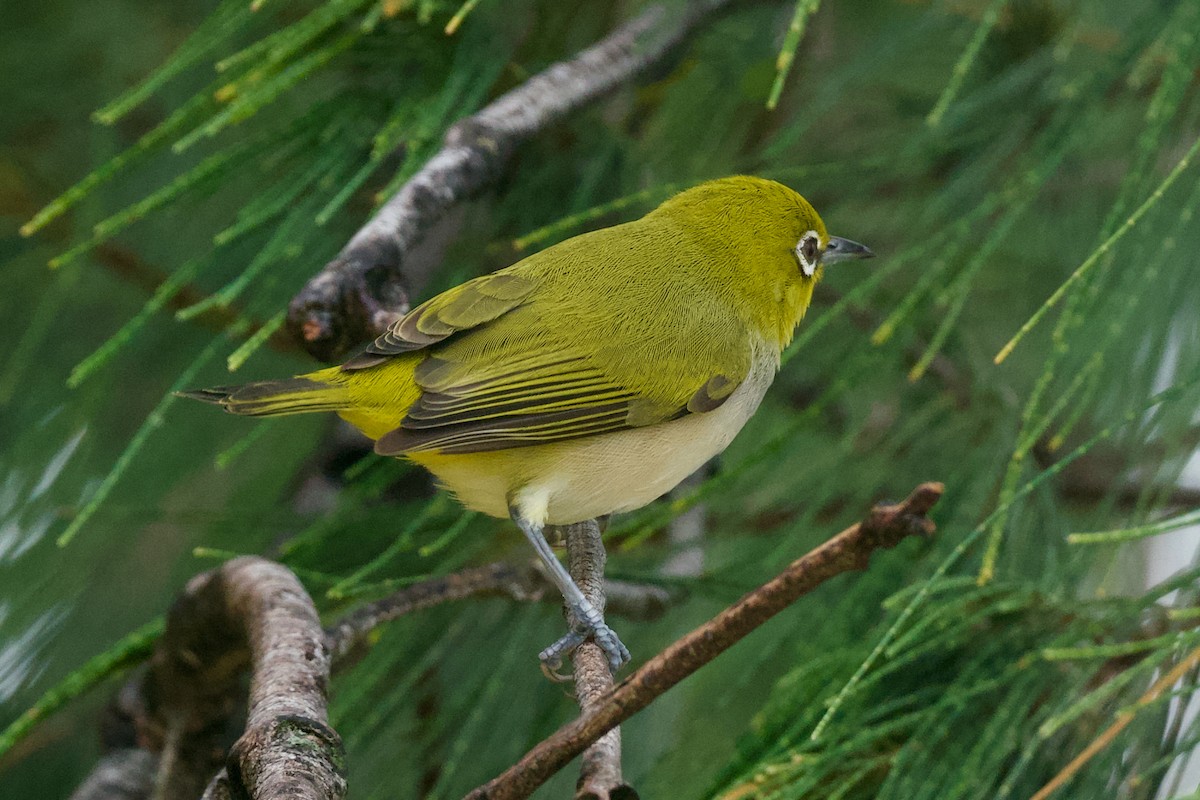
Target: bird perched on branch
589,378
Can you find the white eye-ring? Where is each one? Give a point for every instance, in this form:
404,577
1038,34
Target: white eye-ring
808,252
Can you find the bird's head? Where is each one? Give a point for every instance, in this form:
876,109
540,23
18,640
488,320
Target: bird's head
771,235
766,218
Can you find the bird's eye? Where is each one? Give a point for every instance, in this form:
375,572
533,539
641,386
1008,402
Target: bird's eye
808,251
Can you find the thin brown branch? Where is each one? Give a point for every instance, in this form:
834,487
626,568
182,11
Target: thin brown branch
357,295
600,771
850,550
346,638
1100,476
1127,495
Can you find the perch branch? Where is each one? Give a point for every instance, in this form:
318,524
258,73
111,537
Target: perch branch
346,638
850,550
358,294
600,772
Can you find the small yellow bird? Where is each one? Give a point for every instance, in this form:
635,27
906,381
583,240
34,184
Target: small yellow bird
589,378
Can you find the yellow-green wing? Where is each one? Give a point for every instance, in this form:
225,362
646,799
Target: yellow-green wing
461,308
522,356
521,403
530,402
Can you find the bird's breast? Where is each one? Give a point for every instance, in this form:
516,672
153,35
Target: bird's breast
592,476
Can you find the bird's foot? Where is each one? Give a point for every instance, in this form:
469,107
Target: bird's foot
588,623
552,657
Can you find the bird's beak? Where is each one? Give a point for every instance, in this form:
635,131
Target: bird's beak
840,249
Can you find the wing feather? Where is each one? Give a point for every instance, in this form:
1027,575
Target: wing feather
499,370
513,431
464,307
553,407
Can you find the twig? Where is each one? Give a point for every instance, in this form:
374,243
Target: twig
346,637
252,612
1097,477
850,550
1122,721
358,294
600,771
522,582
1080,488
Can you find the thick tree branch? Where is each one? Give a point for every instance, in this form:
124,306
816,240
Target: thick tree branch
288,748
249,613
850,550
600,773
358,294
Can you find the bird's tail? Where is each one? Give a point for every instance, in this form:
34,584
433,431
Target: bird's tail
268,398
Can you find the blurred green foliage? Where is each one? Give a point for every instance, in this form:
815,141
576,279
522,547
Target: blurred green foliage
995,154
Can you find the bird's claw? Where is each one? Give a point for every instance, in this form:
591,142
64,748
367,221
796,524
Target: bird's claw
618,654
552,656
590,624
591,621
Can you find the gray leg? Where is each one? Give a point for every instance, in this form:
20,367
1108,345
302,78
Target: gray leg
588,618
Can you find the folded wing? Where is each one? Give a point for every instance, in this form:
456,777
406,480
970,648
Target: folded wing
500,372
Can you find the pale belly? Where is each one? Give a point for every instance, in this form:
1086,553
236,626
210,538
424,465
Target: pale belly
589,477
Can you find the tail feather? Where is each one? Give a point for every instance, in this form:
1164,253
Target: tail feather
268,398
